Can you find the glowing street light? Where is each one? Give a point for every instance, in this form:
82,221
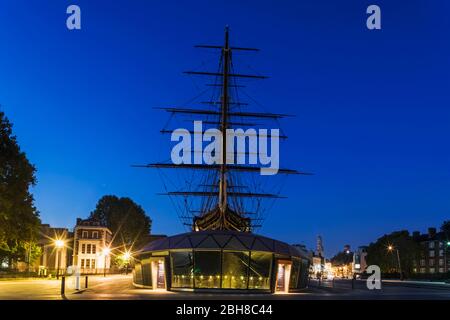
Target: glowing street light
391,248
126,258
59,244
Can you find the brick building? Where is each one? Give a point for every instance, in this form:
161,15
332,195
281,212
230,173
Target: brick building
435,253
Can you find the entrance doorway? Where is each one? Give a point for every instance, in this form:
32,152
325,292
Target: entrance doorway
158,274
283,276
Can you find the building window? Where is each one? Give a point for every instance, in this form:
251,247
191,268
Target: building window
88,263
260,268
431,262
94,249
431,270
441,253
432,253
93,264
422,270
441,262
88,251
83,248
95,234
422,262
182,269
85,235
441,270
82,263
234,270
207,269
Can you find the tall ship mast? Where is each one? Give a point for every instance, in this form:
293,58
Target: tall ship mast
223,191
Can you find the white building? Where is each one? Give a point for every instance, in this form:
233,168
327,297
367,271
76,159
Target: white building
91,250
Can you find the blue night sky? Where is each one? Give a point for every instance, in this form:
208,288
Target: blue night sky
372,107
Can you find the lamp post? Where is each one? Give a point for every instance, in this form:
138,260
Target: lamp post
126,258
106,252
59,244
391,248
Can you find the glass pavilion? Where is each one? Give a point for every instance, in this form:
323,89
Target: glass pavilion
221,260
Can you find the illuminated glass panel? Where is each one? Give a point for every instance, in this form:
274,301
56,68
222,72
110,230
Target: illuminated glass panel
182,267
207,269
146,272
235,270
137,274
260,267
295,271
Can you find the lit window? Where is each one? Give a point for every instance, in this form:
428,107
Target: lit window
88,263
82,263
88,251
441,253
94,249
441,262
441,270
432,253
422,270
85,234
93,264
234,267
207,267
83,248
182,268
95,234
431,245
260,269
431,270
431,262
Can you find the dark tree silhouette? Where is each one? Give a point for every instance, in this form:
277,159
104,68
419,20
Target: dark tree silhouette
126,219
19,219
409,251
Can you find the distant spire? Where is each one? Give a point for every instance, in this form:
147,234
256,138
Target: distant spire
319,249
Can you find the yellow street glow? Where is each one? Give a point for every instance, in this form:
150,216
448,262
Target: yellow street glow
59,243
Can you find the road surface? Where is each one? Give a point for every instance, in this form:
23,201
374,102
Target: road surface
119,287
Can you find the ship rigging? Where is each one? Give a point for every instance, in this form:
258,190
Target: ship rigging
223,191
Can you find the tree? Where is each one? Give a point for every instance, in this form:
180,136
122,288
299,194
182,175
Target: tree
378,253
19,219
342,258
127,220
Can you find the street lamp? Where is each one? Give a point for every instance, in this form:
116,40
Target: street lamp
126,258
105,253
391,248
59,244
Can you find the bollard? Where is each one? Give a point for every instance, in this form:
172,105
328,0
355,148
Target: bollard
86,282
353,283
63,284
332,282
